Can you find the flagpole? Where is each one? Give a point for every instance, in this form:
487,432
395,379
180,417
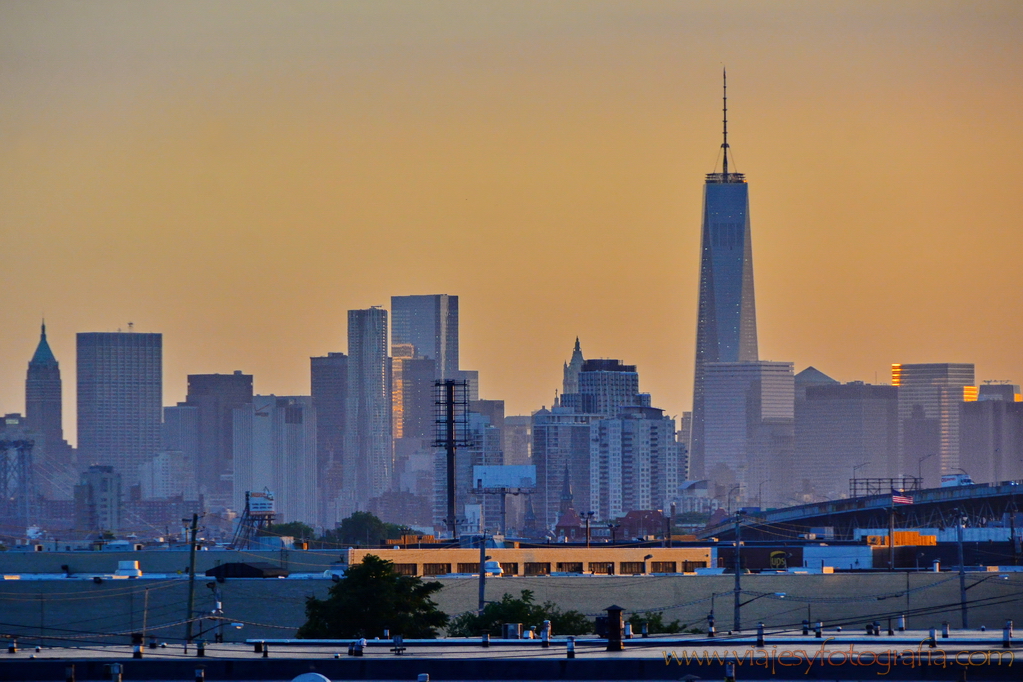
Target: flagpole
891,536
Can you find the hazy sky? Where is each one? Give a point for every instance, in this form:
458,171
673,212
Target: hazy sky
237,175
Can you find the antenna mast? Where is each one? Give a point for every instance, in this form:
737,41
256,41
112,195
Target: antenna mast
724,110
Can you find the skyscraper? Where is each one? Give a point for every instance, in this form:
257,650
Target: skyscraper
217,396
43,395
120,384
605,386
748,423
44,418
180,448
181,430
368,450
275,447
430,324
561,440
605,441
991,434
570,383
726,327
99,499
634,462
841,429
329,381
929,398
412,390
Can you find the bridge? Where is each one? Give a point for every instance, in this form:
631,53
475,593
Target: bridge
932,508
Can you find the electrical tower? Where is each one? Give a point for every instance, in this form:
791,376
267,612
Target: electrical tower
451,419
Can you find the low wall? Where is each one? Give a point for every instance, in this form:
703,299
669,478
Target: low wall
80,611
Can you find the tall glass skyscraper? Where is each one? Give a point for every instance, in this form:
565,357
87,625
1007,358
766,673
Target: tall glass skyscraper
726,327
368,451
930,395
430,324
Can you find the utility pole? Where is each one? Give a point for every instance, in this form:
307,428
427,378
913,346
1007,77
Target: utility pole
962,571
671,524
891,535
191,577
737,625
1012,531
483,571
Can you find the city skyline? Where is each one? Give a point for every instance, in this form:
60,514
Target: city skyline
181,180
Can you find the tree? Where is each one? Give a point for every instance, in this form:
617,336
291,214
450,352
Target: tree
654,623
363,528
295,529
370,598
519,610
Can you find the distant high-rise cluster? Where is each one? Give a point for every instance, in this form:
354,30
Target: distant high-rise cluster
369,436
604,441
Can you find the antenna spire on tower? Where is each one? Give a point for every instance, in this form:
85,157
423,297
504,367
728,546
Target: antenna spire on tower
724,120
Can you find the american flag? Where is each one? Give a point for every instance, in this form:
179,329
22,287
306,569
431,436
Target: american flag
900,497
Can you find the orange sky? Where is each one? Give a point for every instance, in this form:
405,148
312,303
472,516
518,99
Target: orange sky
237,175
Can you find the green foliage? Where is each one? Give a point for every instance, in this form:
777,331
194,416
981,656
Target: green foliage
370,597
655,623
295,529
363,528
520,610
692,517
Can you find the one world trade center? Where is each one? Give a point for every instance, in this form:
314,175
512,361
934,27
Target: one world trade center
726,328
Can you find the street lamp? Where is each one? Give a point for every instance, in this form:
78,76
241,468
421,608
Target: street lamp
738,487
216,615
970,587
613,527
218,624
960,521
738,625
760,491
779,595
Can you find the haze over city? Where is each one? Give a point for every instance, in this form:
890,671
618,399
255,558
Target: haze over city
236,176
